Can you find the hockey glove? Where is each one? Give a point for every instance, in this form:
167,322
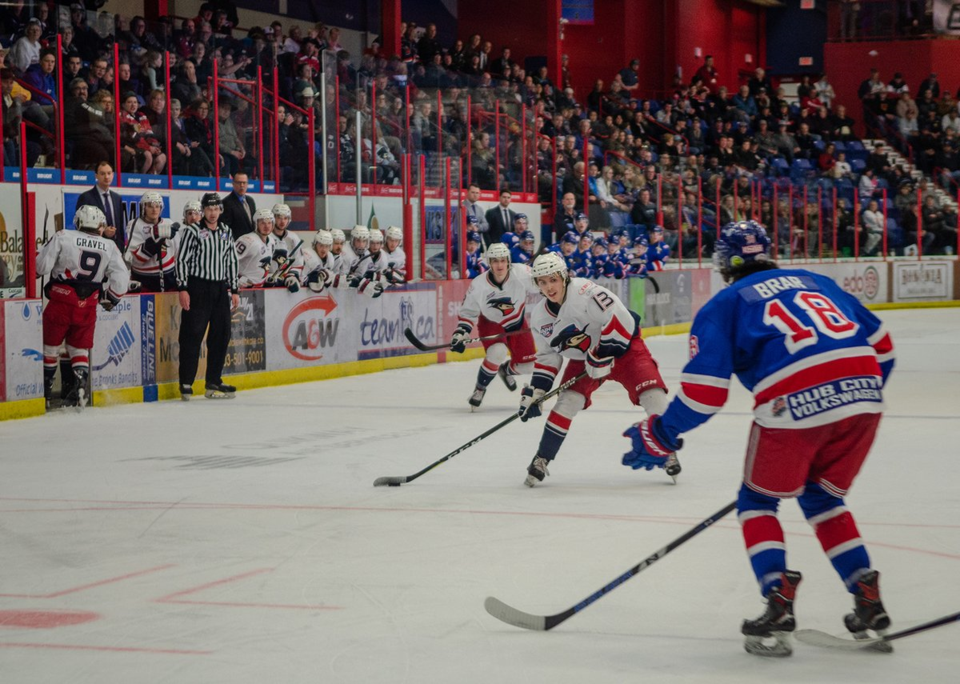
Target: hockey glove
458,343
598,367
371,286
394,277
108,300
530,402
315,281
151,247
292,283
651,446
164,232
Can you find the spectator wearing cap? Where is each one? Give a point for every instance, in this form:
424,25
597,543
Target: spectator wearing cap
207,277
500,218
26,51
897,85
630,76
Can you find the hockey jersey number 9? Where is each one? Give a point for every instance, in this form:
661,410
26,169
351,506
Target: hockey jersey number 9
76,257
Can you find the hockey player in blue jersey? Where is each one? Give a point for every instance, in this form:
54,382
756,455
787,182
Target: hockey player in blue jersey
637,258
658,251
475,265
598,258
616,261
816,361
579,260
522,252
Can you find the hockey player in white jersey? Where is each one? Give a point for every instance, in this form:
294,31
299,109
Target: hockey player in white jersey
84,268
192,212
495,303
255,251
339,240
355,251
589,325
152,246
396,272
321,267
288,252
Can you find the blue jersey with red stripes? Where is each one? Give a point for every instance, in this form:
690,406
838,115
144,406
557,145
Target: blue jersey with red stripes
810,353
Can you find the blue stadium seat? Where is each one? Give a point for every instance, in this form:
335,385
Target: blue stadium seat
858,165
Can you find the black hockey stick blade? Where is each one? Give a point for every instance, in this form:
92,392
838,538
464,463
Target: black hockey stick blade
814,637
419,344
397,481
543,623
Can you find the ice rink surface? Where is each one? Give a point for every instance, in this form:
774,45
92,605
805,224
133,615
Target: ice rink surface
243,541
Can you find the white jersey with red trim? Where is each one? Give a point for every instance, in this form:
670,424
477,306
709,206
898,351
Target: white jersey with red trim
287,256
254,255
503,303
591,318
77,257
141,261
350,260
810,353
396,260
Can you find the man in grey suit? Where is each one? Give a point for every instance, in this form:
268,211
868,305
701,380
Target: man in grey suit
500,218
238,207
473,208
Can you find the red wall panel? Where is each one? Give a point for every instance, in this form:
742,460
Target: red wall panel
726,29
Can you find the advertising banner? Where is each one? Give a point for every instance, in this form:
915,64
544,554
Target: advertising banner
866,281
382,321
117,348
168,340
247,350
11,243
21,365
307,329
922,281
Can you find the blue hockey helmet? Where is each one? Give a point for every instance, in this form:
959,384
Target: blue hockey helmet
601,242
740,243
571,237
473,236
641,240
581,217
473,221
526,236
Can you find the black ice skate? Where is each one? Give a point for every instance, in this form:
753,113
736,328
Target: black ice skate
186,391
504,373
220,391
868,611
477,398
536,471
77,394
769,634
672,467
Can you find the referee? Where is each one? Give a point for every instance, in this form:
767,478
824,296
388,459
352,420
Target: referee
209,291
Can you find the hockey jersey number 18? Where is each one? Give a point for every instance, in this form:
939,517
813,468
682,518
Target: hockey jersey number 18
810,353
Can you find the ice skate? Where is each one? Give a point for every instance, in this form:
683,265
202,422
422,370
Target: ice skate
477,398
77,394
868,612
672,467
186,392
769,634
536,471
220,391
508,379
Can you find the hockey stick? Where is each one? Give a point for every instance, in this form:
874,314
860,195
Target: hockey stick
542,623
397,481
434,347
814,637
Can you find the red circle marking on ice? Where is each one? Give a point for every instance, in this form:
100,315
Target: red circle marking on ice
44,619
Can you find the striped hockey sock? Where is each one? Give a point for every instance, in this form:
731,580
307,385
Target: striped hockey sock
487,372
763,537
553,435
837,531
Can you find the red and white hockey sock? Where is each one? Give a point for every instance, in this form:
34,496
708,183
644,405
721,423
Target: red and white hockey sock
837,531
763,537
487,372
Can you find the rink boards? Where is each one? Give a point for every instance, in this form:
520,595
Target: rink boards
280,337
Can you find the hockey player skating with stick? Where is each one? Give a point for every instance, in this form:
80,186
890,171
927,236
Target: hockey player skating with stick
589,325
495,303
816,361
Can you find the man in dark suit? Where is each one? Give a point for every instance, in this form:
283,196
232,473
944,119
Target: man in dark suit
107,201
238,207
500,218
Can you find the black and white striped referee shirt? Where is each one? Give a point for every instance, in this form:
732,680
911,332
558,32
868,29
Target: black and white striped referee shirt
208,255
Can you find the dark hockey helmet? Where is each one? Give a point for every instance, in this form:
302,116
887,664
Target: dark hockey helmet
211,199
741,243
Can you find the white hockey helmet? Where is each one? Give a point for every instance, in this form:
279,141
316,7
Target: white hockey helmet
394,233
498,250
376,235
280,209
548,264
192,205
89,219
359,233
151,197
262,215
338,235
323,237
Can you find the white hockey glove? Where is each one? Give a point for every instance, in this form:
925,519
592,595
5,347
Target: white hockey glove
458,343
292,283
598,368
529,406
164,232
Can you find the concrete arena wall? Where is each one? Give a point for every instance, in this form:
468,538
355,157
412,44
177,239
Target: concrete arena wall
280,337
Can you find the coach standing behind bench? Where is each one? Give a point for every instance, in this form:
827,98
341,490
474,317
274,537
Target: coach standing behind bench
209,291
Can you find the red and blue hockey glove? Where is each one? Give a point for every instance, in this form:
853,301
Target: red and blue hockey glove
650,446
598,367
